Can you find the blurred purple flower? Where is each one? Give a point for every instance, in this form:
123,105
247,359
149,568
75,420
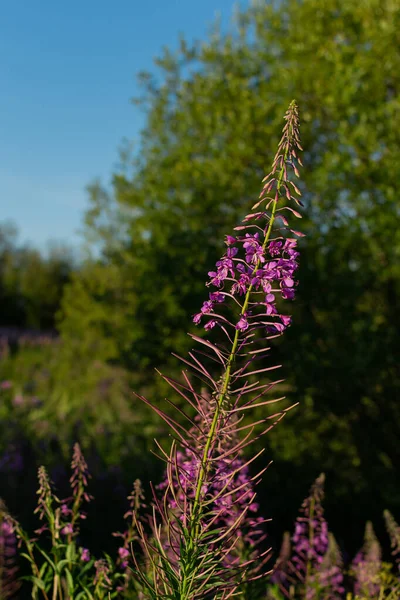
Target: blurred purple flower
367,565
394,533
8,552
85,555
18,400
310,538
67,529
330,575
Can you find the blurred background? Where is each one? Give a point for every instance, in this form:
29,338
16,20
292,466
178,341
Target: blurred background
112,211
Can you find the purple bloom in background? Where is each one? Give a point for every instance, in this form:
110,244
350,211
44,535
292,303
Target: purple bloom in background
330,575
274,247
65,510
67,529
123,554
310,538
5,385
393,530
367,565
102,577
85,555
18,400
314,564
8,553
242,324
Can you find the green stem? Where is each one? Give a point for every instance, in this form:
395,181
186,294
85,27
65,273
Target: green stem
55,588
34,566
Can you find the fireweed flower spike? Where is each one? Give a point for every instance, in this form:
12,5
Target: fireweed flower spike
249,282
129,536
330,575
393,530
8,553
310,538
367,565
72,506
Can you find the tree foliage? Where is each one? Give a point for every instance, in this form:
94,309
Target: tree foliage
212,113
31,284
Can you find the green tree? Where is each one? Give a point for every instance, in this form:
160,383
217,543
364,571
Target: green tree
212,117
31,284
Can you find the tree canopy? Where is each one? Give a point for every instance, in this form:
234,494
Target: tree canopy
213,115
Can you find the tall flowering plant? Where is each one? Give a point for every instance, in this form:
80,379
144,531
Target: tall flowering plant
9,583
310,538
205,469
367,565
394,533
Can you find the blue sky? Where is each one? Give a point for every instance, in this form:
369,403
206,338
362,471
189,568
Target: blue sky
67,74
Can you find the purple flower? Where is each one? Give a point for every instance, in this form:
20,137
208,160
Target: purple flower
286,320
123,553
242,324
274,247
270,304
67,529
197,318
217,297
253,248
65,510
18,400
210,325
207,306
85,555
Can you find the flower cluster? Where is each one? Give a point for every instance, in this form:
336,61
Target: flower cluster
269,271
314,563
262,262
330,575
